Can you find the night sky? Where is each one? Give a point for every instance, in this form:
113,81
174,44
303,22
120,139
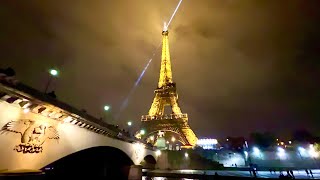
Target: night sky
240,65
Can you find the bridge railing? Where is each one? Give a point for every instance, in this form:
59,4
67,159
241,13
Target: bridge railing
164,117
20,89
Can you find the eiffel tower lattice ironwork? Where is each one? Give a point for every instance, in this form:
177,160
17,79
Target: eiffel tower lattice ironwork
166,95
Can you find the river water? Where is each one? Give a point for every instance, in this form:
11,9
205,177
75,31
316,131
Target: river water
164,178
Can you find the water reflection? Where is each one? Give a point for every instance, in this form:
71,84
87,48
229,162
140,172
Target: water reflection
164,178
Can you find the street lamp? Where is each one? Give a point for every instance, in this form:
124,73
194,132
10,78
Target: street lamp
142,132
129,127
173,139
53,73
106,107
107,115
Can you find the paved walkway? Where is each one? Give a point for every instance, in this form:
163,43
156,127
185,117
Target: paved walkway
299,174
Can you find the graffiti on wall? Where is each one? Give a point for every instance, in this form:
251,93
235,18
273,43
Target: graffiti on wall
33,134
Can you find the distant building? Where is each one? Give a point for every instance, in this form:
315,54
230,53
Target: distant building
207,143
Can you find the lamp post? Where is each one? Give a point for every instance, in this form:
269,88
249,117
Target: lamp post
107,112
53,73
106,108
129,126
142,132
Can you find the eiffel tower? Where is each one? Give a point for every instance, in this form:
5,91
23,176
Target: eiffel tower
166,94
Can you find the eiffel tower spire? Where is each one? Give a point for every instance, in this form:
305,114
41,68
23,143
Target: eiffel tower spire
165,70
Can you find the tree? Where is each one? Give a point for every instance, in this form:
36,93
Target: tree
303,136
263,140
9,71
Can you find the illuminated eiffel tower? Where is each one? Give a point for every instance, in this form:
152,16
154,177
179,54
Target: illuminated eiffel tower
166,94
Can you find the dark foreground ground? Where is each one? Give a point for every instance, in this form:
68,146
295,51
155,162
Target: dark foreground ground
176,175
223,174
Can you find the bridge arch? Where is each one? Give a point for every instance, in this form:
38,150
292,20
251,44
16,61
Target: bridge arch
98,161
148,162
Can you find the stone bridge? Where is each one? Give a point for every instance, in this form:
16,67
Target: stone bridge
39,132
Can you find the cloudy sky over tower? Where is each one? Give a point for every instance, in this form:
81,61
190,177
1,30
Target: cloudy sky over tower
240,66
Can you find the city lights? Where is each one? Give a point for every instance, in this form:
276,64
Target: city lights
26,110
256,151
281,152
158,153
53,72
142,131
173,139
207,143
312,152
106,107
301,150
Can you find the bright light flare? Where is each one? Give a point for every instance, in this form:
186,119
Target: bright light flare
158,153
53,72
207,143
139,149
132,90
301,149
281,152
256,151
173,139
165,27
312,152
106,108
174,13
142,131
186,155
26,110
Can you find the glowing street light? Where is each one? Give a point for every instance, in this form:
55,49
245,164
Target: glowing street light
26,110
142,132
53,73
158,153
281,152
312,152
152,138
106,107
173,139
186,155
256,151
129,123
301,149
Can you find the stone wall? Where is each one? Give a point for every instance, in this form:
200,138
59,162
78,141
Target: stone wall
292,159
178,160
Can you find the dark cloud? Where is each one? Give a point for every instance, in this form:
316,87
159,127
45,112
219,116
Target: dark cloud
240,66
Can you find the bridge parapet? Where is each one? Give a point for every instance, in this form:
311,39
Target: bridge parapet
30,99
